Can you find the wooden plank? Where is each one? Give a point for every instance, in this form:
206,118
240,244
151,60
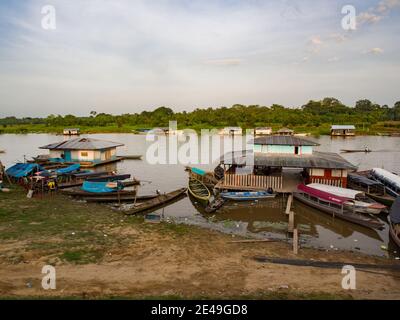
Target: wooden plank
291,222
289,204
295,241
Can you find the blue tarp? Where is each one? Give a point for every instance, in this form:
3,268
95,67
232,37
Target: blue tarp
99,187
21,170
70,169
198,171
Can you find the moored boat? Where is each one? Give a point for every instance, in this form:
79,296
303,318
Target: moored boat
394,222
215,205
247,195
372,188
357,200
119,198
390,180
334,205
160,201
199,190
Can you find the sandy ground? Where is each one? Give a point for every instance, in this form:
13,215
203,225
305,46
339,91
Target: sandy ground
200,264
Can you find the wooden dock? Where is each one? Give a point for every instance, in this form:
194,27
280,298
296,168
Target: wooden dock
287,182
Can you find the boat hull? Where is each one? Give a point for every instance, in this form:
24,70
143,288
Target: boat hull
345,215
247,196
159,201
199,190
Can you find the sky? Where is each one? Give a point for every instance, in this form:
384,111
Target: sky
126,56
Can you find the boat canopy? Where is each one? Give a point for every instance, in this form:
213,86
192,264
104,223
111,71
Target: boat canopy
70,169
198,171
322,194
100,187
21,170
387,176
363,180
341,192
395,211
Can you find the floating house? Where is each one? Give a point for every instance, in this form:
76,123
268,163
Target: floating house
71,132
343,130
236,131
263,167
285,132
263,131
86,151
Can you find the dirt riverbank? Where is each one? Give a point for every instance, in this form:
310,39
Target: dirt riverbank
100,253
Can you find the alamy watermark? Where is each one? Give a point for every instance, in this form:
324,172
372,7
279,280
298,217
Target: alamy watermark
49,19
349,21
349,280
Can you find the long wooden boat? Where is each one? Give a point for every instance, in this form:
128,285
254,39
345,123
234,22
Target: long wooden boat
334,205
357,200
199,190
160,201
131,157
390,180
373,189
78,192
394,222
79,182
366,150
120,198
247,195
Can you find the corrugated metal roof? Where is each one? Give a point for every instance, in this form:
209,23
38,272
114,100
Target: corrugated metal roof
284,141
321,160
82,144
343,127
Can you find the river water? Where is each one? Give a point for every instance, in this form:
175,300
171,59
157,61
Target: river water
258,219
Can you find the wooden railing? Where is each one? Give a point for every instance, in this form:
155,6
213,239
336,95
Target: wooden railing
330,182
251,182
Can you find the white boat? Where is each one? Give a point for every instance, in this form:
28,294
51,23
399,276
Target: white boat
358,201
390,180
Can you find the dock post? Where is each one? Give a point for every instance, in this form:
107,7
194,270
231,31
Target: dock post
291,222
289,204
295,241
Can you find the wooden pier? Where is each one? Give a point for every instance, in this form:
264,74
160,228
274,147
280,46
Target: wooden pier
287,182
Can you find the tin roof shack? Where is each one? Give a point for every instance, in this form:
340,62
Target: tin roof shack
86,151
263,131
263,167
71,132
231,131
285,132
343,131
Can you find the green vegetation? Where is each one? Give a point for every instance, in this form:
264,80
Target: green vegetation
314,117
59,230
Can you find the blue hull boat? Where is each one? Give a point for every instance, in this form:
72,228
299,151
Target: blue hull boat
247,195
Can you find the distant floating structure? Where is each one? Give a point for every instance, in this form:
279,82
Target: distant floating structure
343,130
263,131
285,132
71,132
233,131
86,151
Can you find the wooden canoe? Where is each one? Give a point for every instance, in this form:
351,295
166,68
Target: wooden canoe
199,190
132,157
120,198
78,192
160,201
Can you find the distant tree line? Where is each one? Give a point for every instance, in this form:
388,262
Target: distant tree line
313,114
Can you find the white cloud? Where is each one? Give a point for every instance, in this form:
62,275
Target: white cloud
367,17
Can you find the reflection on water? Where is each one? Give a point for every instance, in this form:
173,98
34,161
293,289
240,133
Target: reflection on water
259,219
